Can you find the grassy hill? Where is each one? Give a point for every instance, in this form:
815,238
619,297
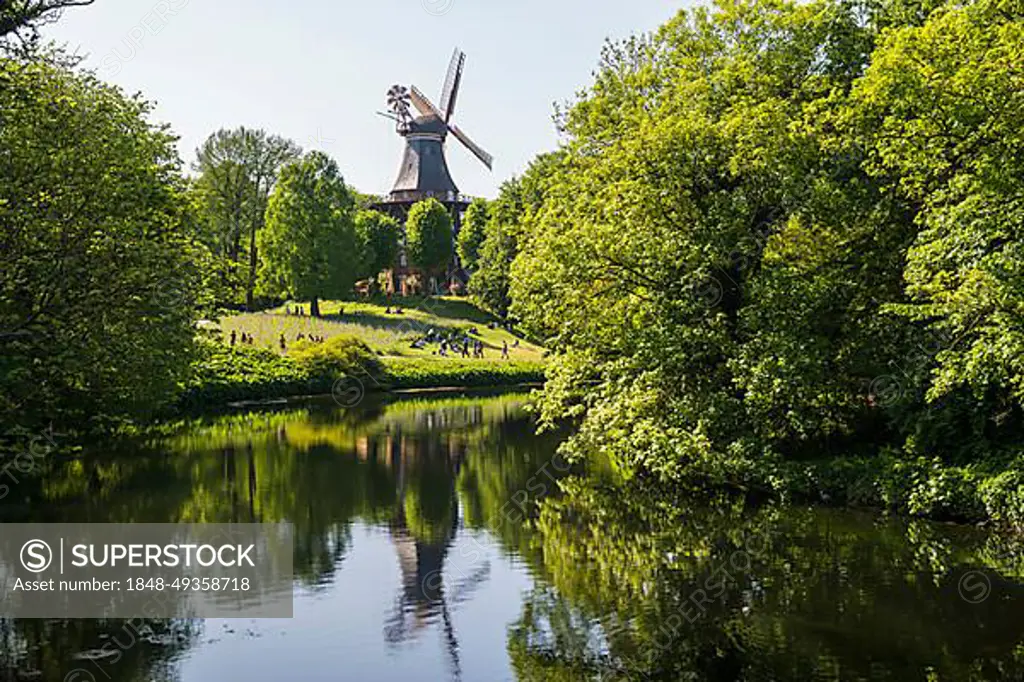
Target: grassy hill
390,334
263,369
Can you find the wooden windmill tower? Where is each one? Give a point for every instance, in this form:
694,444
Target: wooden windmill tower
424,172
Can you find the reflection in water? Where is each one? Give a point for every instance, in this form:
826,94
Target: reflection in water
639,587
431,543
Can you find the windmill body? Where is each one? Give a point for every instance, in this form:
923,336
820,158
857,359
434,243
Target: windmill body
424,173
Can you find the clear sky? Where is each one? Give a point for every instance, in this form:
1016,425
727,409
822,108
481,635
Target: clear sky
317,70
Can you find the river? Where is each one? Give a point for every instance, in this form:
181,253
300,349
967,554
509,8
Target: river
432,543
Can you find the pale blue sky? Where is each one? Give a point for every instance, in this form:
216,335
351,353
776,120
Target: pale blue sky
317,70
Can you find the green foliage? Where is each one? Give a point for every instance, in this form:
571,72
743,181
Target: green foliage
432,373
940,104
920,486
100,287
783,228
428,236
472,234
337,357
379,234
221,375
224,374
310,245
507,224
237,169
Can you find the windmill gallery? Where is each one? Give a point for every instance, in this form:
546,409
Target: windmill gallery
423,173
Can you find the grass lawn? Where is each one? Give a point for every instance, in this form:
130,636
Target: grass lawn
391,335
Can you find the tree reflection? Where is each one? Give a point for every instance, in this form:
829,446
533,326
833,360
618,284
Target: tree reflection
395,465
628,585
643,587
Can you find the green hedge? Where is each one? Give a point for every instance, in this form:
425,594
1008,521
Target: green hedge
422,373
223,375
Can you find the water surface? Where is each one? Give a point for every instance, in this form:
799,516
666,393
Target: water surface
431,543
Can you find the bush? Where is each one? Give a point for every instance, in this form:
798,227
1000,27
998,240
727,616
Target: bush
338,356
223,374
992,490
425,373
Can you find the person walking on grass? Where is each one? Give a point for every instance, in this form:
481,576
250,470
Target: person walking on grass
234,337
504,350
284,346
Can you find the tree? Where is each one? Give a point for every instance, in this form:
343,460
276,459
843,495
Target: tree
508,223
310,247
428,236
942,125
379,234
239,168
710,260
472,234
489,285
99,291
20,21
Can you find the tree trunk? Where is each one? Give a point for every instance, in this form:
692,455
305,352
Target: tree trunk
314,307
252,270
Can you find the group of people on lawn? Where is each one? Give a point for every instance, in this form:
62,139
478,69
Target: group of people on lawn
454,345
247,339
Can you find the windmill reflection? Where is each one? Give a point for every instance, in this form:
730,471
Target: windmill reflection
424,527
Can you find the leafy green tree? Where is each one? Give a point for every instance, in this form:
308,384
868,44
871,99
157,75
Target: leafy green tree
310,246
508,223
428,236
238,170
100,284
939,109
709,260
489,284
379,234
472,234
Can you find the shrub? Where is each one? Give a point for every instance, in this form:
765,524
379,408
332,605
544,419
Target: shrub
425,373
223,374
336,357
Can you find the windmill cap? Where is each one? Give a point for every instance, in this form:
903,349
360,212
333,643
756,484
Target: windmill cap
428,124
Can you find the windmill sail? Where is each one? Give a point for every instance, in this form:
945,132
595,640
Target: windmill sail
478,151
450,92
422,104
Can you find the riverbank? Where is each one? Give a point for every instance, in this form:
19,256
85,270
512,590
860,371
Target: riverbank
989,492
341,367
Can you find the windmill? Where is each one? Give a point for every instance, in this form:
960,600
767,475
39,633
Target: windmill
424,172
